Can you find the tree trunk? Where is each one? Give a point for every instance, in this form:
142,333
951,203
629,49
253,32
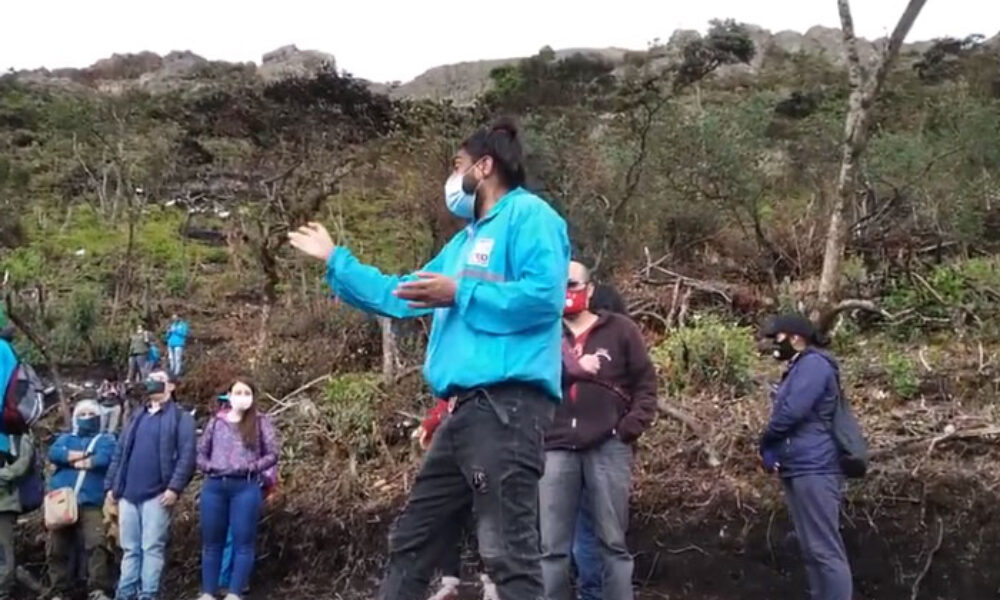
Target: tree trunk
262,329
390,350
864,91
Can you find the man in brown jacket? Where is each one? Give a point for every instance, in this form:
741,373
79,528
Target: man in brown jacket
589,443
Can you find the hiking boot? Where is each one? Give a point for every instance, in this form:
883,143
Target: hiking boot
489,588
448,590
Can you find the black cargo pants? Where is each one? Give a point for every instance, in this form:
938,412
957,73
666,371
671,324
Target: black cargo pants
486,457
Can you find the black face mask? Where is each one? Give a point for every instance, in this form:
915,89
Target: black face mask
782,350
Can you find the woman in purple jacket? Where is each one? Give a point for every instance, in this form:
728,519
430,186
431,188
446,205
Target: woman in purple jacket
234,452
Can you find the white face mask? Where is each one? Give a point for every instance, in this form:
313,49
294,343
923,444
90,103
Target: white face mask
460,204
241,402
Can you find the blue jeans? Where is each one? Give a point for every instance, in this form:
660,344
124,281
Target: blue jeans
175,358
144,530
226,572
229,503
605,471
587,554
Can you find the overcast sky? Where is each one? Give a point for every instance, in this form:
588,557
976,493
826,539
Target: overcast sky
385,40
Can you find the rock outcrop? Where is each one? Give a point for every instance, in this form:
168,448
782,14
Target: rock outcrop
289,61
460,82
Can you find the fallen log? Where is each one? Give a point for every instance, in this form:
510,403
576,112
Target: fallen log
934,441
673,411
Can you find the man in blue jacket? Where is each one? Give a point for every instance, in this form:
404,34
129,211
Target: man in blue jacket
798,445
496,292
81,459
151,467
177,334
8,360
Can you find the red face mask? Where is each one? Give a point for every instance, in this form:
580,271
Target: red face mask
576,302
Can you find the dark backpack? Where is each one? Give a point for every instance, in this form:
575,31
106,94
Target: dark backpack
848,435
31,485
847,432
24,400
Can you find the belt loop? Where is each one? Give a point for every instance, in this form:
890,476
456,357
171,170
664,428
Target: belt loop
499,410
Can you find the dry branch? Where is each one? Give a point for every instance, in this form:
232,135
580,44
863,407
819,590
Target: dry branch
915,590
828,318
935,441
700,431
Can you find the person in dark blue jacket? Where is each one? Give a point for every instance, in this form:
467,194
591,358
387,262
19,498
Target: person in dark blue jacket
799,446
81,459
151,467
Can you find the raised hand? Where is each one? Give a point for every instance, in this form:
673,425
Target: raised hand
313,240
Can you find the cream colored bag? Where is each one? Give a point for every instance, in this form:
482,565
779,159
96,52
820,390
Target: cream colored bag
61,508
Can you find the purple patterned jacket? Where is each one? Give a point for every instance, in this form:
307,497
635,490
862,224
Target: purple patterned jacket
221,450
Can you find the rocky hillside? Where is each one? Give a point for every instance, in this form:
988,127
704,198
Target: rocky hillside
460,82
155,73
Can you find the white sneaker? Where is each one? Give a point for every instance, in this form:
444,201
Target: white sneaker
206,597
489,588
232,596
448,590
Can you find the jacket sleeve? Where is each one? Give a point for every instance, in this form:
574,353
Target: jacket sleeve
366,288
537,294
643,386
59,451
17,469
204,451
116,457
806,386
104,451
8,362
184,469
269,446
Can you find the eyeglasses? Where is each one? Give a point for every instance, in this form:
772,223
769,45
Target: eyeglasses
576,285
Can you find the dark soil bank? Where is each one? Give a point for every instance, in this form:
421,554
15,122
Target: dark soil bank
942,539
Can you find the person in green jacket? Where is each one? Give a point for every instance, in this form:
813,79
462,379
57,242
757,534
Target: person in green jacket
14,467
138,352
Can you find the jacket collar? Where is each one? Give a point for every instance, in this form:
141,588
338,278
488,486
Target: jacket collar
602,319
498,207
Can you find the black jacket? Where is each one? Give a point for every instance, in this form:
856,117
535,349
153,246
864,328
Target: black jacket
619,401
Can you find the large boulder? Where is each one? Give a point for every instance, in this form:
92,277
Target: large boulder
119,67
289,61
